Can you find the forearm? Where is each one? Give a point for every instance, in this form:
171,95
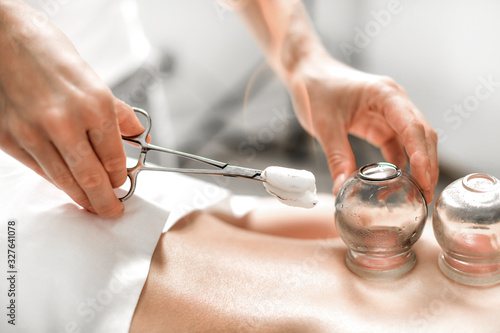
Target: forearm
283,30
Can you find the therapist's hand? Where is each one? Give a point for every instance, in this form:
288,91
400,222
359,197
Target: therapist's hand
332,100
57,116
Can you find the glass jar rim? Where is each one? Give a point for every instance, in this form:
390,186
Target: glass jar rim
379,171
485,184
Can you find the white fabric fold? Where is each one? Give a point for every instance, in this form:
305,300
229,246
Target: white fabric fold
75,271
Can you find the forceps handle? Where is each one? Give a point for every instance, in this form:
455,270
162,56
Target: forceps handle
224,168
141,140
202,159
228,171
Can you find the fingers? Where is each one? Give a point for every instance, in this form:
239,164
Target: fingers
339,155
64,118
416,148
375,108
86,162
394,152
128,122
432,140
56,171
39,154
392,123
95,181
419,140
92,158
374,128
59,174
10,146
105,139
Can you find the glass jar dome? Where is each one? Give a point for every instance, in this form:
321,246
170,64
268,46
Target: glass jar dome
380,212
466,222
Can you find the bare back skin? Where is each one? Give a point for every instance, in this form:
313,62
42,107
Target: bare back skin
208,275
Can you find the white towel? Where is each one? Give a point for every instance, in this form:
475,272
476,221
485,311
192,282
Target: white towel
77,272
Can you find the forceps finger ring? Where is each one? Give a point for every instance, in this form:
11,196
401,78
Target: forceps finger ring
222,168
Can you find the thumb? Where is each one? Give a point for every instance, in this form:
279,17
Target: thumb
340,157
127,119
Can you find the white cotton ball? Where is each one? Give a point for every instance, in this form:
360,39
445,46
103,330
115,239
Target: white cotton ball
292,187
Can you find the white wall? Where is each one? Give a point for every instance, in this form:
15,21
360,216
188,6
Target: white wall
440,51
211,48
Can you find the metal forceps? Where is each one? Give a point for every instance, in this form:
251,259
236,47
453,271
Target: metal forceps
224,169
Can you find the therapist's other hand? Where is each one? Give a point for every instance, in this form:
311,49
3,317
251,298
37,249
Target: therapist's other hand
333,100
57,116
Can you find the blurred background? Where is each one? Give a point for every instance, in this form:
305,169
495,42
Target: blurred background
446,54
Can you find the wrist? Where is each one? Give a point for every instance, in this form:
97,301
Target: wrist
304,55
312,66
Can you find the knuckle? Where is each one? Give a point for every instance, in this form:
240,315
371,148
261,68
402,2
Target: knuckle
100,111
411,128
30,138
336,159
100,100
419,127
80,198
390,83
433,136
64,181
114,164
419,159
387,86
387,80
90,179
119,180
56,122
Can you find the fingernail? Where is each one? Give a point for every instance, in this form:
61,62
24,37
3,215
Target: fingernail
337,183
91,210
429,178
429,196
120,212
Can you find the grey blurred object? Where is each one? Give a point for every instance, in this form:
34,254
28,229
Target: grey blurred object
145,89
466,221
380,213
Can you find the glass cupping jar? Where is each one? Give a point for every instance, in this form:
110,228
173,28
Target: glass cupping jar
466,222
380,212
